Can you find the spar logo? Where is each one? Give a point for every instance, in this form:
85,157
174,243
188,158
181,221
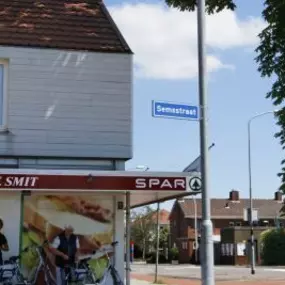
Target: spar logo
161,183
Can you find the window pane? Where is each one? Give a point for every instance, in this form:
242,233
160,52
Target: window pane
1,92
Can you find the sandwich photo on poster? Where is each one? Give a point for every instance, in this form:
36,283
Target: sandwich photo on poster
46,217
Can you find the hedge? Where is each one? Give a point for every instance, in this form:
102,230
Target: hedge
273,247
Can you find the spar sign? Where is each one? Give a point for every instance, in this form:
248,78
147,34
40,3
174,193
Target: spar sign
100,180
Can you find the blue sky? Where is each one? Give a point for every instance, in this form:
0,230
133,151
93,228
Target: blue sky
235,93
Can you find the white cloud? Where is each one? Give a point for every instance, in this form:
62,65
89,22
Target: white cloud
165,40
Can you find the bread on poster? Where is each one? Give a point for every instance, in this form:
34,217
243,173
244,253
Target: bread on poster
91,222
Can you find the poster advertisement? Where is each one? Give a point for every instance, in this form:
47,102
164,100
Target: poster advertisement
45,218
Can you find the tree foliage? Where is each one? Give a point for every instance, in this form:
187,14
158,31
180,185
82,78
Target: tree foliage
273,247
271,60
212,6
142,229
163,237
270,52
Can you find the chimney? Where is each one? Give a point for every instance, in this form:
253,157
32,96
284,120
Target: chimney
234,195
278,196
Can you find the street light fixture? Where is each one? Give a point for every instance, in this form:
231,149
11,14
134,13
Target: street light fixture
146,168
142,167
195,166
250,186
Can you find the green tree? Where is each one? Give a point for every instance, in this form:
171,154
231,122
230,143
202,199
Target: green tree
163,237
142,229
270,52
273,247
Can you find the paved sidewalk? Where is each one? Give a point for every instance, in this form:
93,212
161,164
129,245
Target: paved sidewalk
140,279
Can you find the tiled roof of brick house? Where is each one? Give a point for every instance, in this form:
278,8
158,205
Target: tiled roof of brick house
266,208
61,24
226,208
163,217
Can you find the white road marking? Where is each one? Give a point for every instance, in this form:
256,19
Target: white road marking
275,269
180,267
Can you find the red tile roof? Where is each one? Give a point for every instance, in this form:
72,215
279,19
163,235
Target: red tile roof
267,208
163,217
63,24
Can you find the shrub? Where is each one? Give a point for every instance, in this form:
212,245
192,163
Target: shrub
273,247
173,253
151,258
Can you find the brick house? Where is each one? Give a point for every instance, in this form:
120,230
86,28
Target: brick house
225,213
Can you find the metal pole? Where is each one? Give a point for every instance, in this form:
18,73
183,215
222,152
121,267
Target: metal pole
195,227
128,238
207,267
252,240
252,259
157,243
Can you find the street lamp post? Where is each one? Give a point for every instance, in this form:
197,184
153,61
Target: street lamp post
195,166
207,255
128,229
196,228
250,188
157,244
146,168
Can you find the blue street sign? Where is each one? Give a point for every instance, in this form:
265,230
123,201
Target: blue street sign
174,111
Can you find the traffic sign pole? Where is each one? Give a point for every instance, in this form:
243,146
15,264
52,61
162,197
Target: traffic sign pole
207,227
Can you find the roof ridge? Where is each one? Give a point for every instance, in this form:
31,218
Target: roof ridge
115,27
63,24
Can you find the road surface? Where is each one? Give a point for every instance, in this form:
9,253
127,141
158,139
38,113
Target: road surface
222,273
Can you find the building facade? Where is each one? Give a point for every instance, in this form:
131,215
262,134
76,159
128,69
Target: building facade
64,95
225,213
65,98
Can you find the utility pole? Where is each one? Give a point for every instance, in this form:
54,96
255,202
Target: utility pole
207,267
196,228
157,243
251,221
128,238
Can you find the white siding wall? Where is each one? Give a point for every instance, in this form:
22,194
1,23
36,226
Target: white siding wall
68,104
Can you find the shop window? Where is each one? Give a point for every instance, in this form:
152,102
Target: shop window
231,249
184,245
227,249
238,224
241,249
231,224
223,249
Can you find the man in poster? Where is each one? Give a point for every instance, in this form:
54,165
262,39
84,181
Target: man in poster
3,242
65,248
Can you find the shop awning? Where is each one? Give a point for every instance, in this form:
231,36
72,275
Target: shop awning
144,187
